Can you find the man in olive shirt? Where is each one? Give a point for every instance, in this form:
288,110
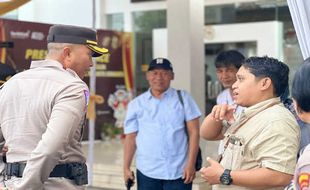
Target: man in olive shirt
261,144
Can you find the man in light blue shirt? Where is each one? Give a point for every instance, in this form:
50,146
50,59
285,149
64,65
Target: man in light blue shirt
155,129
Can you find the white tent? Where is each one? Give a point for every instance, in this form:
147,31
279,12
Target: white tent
300,13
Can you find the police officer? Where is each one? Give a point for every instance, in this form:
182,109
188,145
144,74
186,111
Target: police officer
301,98
6,72
43,112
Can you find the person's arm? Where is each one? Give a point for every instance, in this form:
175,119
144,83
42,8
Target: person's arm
2,144
129,151
254,178
211,128
257,178
275,150
66,118
193,145
131,127
3,151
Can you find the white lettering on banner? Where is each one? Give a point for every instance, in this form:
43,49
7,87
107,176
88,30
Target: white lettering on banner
19,34
37,36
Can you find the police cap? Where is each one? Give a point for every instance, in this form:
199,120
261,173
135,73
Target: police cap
75,35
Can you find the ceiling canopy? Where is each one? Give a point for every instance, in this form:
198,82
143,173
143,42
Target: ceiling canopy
9,5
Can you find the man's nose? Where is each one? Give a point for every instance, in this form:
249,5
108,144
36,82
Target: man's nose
234,85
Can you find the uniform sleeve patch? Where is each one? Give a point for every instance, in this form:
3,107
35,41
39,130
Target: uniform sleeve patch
303,180
86,93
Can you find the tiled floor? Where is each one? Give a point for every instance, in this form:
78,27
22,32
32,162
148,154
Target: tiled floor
97,188
109,154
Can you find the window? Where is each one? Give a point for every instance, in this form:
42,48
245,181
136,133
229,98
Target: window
115,21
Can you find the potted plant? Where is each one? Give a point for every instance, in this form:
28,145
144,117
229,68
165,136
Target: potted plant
109,131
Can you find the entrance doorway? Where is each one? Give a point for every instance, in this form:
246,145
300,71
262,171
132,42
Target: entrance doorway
251,39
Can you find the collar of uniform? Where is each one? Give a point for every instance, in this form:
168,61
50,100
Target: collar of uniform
260,106
46,63
51,63
149,94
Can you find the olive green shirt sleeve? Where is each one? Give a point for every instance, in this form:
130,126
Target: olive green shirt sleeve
277,146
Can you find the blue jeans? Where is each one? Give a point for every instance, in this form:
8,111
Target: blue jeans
147,183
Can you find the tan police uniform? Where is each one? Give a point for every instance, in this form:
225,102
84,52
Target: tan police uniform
269,138
6,72
302,173
42,117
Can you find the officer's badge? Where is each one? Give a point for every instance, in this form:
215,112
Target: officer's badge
303,180
86,94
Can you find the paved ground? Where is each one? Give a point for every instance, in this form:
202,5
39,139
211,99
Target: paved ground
111,153
96,188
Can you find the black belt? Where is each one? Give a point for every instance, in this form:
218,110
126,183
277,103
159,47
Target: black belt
60,170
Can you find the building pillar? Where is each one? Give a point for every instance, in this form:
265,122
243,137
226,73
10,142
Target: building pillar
185,23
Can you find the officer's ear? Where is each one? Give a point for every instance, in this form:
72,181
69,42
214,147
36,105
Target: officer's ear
66,51
66,56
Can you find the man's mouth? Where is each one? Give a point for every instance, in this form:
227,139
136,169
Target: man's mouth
235,94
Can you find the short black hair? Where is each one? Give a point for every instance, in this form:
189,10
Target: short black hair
276,70
301,86
230,57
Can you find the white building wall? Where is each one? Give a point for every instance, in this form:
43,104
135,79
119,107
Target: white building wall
118,6
74,12
269,43
79,12
221,2
127,8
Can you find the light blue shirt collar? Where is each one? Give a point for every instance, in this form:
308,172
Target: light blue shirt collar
168,92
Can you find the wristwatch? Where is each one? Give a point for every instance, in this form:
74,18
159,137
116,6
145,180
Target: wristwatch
225,178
